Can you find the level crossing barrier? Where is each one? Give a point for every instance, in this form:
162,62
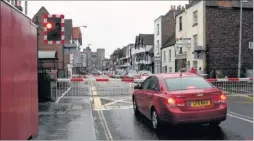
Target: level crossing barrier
235,86
99,86
103,86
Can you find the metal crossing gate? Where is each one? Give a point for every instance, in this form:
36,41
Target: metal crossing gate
234,86
106,87
99,87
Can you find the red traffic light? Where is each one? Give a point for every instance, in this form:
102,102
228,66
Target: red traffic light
48,25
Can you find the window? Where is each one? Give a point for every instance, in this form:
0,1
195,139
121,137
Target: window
195,40
195,64
169,55
164,56
153,84
184,83
158,29
169,69
180,24
165,71
145,84
158,47
195,18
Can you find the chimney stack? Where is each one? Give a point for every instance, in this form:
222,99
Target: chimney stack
171,8
174,7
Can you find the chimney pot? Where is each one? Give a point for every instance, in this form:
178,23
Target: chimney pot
174,7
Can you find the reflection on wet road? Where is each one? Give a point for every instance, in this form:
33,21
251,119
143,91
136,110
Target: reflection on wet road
123,125
119,123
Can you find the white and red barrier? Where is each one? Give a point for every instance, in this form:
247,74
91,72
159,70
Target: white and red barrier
229,79
239,86
98,79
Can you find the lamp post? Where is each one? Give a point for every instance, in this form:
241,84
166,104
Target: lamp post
240,38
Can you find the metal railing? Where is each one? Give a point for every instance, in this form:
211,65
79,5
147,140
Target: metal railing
105,87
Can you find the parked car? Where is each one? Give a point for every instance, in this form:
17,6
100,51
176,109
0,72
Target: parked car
96,73
130,74
111,74
119,73
144,74
179,98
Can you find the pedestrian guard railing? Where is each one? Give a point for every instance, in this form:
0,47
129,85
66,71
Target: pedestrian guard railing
103,86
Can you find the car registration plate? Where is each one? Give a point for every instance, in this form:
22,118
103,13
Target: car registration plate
200,103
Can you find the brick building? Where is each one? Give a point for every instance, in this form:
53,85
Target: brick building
213,27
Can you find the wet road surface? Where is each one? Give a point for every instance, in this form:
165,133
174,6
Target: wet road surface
70,118
104,112
119,123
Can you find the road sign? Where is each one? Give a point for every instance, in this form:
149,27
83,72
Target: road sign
183,42
250,45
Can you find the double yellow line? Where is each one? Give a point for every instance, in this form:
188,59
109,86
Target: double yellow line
97,105
96,99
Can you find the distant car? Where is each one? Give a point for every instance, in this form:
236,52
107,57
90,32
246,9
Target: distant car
130,74
144,74
96,73
119,73
179,99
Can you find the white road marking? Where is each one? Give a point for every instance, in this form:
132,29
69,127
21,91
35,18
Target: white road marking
115,108
241,118
103,126
233,113
121,100
106,126
63,95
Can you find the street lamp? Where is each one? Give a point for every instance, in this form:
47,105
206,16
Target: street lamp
240,38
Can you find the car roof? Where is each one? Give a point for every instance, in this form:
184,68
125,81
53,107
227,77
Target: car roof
175,75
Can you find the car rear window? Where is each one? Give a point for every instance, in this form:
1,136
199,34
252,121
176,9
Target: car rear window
184,83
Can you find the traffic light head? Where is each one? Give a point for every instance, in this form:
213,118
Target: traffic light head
54,29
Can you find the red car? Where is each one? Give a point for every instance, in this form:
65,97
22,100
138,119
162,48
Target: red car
179,98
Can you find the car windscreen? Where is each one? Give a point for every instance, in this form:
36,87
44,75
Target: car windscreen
184,83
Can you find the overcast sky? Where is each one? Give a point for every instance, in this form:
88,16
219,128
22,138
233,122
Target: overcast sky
110,24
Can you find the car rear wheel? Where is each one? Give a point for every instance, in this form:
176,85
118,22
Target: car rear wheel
155,120
135,107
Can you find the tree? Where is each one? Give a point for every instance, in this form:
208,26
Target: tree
118,53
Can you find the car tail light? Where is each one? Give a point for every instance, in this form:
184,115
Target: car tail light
175,102
171,101
222,98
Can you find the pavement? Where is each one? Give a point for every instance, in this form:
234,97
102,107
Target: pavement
104,112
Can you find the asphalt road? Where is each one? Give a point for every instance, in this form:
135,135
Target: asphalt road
104,111
117,121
